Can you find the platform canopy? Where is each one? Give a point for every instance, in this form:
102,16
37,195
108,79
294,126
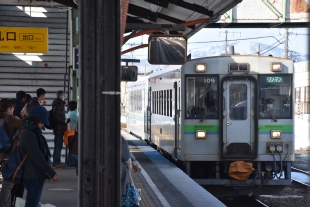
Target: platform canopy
194,15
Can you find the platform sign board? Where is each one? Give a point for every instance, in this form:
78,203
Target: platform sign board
23,40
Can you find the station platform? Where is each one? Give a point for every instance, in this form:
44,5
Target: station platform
162,184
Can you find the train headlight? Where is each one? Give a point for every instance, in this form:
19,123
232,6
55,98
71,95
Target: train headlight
201,134
201,68
276,67
275,134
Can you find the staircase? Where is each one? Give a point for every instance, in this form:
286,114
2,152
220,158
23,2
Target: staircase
30,71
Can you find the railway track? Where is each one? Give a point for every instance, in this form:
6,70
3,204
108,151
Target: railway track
241,201
300,176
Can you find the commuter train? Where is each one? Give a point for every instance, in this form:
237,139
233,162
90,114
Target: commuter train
215,111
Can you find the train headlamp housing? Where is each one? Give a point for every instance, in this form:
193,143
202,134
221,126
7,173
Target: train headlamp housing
276,67
238,67
275,134
201,134
200,68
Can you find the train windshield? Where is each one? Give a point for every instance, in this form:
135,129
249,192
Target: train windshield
201,97
275,96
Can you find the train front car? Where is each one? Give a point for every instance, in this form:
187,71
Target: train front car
236,124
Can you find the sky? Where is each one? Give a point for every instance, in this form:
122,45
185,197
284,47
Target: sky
298,39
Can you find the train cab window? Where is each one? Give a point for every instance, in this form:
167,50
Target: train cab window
201,97
275,96
238,101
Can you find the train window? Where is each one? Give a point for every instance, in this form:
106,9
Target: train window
135,101
153,102
156,108
201,97
165,106
167,103
275,96
238,101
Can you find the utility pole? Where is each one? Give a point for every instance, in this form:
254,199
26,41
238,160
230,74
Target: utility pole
99,125
226,32
226,42
286,44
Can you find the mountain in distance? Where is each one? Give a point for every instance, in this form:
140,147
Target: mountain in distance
208,50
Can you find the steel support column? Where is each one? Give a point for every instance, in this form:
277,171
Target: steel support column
99,125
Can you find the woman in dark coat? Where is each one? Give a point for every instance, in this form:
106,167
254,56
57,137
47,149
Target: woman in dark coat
36,165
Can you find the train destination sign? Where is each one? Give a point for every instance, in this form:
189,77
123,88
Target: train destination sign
23,39
274,79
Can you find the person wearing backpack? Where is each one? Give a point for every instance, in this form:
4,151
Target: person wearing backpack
12,123
36,166
59,122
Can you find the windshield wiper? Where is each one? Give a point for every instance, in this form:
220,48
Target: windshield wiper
203,118
270,114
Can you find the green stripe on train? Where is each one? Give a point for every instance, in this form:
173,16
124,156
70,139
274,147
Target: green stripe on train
215,128
208,128
283,127
136,116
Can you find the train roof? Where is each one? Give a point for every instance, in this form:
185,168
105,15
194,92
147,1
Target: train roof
168,69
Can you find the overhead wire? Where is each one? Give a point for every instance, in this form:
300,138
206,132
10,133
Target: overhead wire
232,40
274,44
271,48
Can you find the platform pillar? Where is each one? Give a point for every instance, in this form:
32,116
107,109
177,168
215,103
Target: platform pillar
99,125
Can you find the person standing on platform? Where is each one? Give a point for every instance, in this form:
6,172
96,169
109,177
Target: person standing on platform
128,162
12,123
36,167
35,101
28,98
20,103
59,117
72,138
28,101
40,99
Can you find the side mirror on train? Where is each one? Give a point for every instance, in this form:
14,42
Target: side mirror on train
129,73
167,49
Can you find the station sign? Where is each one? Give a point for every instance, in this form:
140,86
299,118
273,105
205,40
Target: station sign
23,40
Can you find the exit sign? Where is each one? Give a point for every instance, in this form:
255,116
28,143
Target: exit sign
23,39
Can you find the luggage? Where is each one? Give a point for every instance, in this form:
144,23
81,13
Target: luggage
133,195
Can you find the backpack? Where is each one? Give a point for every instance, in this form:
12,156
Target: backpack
5,142
13,168
50,119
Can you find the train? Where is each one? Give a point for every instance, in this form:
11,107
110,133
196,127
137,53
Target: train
217,113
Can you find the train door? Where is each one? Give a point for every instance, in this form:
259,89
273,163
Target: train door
239,125
148,115
176,118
